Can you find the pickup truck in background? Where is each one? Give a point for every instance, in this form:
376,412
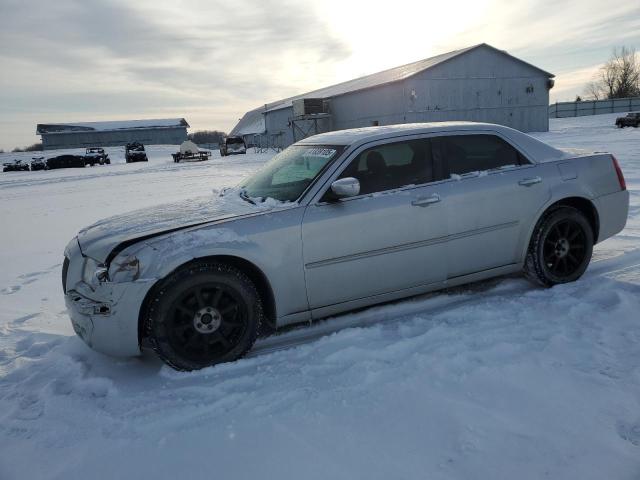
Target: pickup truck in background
630,120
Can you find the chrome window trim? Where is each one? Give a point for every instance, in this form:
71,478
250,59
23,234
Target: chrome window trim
323,183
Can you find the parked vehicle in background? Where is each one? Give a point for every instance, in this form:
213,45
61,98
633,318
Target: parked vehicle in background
38,163
134,152
15,166
189,152
232,145
339,221
97,155
66,161
630,120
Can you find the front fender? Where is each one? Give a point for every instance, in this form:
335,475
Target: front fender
271,242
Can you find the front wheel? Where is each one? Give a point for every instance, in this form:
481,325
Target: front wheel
203,314
560,248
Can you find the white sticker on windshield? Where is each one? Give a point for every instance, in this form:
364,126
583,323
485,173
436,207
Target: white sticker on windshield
319,152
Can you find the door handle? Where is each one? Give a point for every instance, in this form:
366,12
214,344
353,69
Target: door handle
425,201
527,182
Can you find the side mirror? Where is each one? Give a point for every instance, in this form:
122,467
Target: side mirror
346,187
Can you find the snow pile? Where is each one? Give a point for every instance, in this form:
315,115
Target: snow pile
495,380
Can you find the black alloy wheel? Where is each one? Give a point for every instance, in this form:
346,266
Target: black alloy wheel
202,315
565,248
561,247
206,321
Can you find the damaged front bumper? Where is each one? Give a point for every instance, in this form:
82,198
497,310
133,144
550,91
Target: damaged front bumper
104,316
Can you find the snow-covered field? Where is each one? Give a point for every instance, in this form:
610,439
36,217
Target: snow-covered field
499,380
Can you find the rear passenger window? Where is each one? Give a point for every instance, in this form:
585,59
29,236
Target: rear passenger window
394,165
476,153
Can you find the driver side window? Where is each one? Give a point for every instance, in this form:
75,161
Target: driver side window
394,165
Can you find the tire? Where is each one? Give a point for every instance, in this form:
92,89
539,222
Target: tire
203,314
560,248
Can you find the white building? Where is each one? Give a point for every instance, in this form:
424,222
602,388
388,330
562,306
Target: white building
479,83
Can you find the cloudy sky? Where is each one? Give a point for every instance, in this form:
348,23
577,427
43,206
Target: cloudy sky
211,60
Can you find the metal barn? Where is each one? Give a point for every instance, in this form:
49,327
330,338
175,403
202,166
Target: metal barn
171,131
480,83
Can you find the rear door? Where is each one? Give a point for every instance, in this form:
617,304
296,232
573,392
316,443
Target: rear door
388,238
493,196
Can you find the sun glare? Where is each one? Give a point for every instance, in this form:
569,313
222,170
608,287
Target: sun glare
384,35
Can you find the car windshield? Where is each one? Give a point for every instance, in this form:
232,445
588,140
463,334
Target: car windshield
231,140
287,175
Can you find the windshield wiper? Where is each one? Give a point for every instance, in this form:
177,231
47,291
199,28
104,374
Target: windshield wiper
243,195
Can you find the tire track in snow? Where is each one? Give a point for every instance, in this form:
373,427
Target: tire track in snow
430,303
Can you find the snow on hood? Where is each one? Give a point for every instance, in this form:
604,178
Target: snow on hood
98,240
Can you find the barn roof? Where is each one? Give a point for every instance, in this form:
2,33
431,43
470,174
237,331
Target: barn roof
47,128
250,122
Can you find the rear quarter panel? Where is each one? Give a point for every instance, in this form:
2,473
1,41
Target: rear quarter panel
591,177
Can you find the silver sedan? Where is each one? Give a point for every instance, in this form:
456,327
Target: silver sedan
339,221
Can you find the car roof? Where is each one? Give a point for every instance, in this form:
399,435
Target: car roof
368,134
357,136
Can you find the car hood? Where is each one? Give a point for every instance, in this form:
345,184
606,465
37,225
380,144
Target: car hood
99,240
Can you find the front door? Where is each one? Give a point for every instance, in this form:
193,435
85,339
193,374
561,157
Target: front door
388,238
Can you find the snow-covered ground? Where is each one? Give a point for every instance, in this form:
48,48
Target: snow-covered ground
494,380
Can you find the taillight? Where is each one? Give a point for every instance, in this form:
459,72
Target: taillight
65,270
616,165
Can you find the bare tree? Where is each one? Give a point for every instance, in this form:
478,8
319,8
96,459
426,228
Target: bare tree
618,78
628,70
36,147
206,136
593,91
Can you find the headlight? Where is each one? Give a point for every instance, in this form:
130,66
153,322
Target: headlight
124,270
93,272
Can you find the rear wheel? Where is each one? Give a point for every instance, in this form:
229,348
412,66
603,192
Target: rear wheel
203,314
560,248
